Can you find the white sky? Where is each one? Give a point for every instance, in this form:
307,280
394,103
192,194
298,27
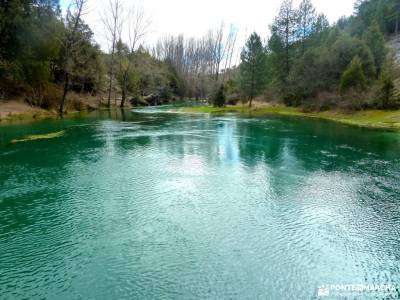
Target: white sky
195,17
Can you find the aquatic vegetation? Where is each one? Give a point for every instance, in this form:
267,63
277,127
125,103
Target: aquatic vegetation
35,137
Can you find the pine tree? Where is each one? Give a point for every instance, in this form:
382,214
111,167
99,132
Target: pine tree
306,21
284,27
252,68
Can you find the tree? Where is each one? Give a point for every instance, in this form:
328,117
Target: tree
309,76
284,29
306,22
219,98
344,49
30,33
388,95
217,49
112,25
230,49
71,42
138,26
376,42
387,92
252,67
353,76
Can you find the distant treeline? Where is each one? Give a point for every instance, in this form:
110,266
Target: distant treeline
45,55
310,63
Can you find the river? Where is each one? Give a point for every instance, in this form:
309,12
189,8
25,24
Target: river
151,204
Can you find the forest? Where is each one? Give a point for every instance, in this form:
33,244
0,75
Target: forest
50,59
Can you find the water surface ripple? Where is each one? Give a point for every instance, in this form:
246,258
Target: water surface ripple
150,205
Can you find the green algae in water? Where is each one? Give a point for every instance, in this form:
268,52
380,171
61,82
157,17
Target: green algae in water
35,137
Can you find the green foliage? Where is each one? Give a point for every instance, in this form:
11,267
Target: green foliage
219,98
30,43
385,12
353,77
376,42
284,33
388,100
305,58
346,48
388,96
36,52
308,76
306,23
253,67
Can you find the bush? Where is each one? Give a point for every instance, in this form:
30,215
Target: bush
293,99
232,99
322,102
138,101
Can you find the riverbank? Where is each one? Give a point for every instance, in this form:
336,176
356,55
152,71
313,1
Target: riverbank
17,110
366,118
14,110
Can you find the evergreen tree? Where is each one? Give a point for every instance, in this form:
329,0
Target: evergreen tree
388,95
376,42
219,98
284,28
252,68
345,49
306,21
387,92
353,77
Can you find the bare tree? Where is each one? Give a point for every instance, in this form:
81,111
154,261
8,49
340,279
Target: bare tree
138,28
198,61
215,39
112,21
230,49
73,19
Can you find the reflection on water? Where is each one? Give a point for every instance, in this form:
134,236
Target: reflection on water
151,204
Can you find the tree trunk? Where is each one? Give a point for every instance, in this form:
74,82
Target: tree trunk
110,88
252,86
123,96
123,115
66,84
124,91
111,72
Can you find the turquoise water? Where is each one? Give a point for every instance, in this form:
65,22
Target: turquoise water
156,205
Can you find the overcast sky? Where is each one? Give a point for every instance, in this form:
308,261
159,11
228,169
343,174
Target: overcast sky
195,17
